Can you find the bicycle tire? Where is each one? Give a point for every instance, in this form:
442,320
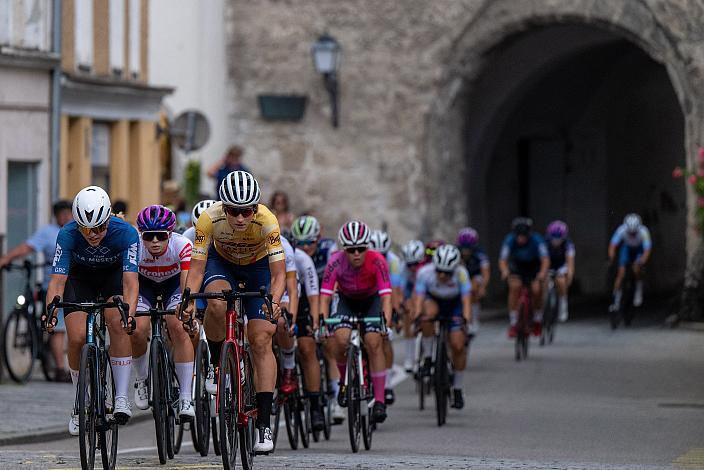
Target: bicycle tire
228,405
367,423
275,416
442,382
159,399
353,398
326,398
202,399
290,412
215,426
87,415
108,437
172,398
249,396
179,438
19,351
304,426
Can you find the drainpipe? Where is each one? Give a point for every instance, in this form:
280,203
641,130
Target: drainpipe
54,144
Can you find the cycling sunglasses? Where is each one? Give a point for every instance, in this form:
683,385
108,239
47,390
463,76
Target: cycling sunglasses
160,235
305,242
356,249
98,230
237,211
446,273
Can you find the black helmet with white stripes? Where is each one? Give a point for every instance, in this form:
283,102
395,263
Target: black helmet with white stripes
354,234
446,258
239,188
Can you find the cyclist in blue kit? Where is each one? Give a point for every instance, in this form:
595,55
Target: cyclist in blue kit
96,256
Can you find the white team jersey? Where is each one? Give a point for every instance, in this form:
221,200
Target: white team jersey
190,233
289,257
175,259
307,274
641,237
427,283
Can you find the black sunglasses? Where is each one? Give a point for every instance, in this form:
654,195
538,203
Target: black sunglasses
237,211
446,273
305,242
356,249
160,235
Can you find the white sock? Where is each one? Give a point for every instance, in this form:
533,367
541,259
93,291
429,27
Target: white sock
427,342
476,308
457,380
121,369
563,302
335,387
289,357
538,316
617,296
141,366
410,349
513,317
184,373
639,287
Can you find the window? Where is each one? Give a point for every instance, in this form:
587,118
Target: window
117,36
84,34
135,38
5,23
26,25
100,155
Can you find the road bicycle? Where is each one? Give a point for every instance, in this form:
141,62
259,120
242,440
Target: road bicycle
236,395
442,369
95,396
524,324
162,382
358,380
206,416
551,311
23,339
625,309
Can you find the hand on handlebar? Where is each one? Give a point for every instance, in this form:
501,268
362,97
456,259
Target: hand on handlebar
504,274
48,318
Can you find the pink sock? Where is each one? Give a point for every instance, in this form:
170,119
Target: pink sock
379,382
342,367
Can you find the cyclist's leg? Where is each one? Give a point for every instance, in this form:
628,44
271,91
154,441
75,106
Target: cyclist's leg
140,358
408,337
514,288
478,293
637,275
183,353
536,288
458,342
342,333
561,287
623,261
430,311
217,277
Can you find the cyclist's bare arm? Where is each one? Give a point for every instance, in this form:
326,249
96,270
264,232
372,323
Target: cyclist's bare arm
644,257
544,266
17,252
324,306
292,289
57,283
278,283
612,252
486,274
314,301
570,269
467,308
130,290
503,268
182,279
387,308
194,279
417,304
397,295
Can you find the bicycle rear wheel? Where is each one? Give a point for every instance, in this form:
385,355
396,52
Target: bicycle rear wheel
159,399
325,398
215,426
249,397
202,399
108,437
87,399
172,397
354,418
305,428
20,345
228,405
366,411
290,413
442,383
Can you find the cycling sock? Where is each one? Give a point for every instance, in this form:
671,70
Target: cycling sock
342,367
538,316
410,349
184,372
74,377
141,366
617,296
334,387
289,358
513,317
427,344
476,308
215,347
379,382
264,400
639,287
457,379
563,302
121,369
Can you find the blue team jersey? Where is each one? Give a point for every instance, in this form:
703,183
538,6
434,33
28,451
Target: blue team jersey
395,270
120,245
476,261
532,251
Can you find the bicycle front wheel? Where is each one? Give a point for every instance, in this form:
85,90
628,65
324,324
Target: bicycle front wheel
20,345
202,399
249,403
326,398
442,383
87,415
366,411
108,437
354,418
159,400
228,405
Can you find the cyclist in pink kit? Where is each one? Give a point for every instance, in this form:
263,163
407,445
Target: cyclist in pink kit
364,287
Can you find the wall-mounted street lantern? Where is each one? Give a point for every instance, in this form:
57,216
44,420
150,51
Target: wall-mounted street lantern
327,56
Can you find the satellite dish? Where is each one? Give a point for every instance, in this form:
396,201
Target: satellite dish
190,131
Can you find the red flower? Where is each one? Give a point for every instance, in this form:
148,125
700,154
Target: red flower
700,201
692,179
677,172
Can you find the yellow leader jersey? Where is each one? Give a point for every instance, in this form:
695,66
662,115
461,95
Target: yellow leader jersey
261,238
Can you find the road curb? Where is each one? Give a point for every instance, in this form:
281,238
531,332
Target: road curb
54,433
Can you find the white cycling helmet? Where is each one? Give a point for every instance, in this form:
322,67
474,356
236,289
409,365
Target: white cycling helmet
199,208
632,222
446,258
413,252
239,188
380,241
91,207
354,234
305,228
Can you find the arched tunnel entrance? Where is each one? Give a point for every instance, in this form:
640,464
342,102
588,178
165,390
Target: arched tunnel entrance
576,123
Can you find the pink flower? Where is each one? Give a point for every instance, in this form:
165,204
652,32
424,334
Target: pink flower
677,172
700,201
692,179
701,154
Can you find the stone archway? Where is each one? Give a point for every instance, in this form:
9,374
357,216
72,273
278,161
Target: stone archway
510,49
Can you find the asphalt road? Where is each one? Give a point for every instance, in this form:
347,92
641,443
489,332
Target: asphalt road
594,399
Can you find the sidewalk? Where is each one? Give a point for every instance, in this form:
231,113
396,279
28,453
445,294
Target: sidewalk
39,411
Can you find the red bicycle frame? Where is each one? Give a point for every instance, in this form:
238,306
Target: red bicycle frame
525,310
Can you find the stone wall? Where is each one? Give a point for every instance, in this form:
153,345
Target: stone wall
408,88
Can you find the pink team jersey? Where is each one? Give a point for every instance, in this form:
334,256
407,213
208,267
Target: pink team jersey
357,283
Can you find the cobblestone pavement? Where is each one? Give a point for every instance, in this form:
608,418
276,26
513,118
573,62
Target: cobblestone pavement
596,399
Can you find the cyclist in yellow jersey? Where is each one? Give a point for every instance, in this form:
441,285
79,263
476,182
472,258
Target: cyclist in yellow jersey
246,244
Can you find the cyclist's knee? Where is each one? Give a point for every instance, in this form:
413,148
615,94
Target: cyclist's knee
373,342
430,307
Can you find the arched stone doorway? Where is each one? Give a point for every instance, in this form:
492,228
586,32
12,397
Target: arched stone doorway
594,120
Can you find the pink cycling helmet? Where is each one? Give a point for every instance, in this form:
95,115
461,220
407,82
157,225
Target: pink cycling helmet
467,238
156,218
557,229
